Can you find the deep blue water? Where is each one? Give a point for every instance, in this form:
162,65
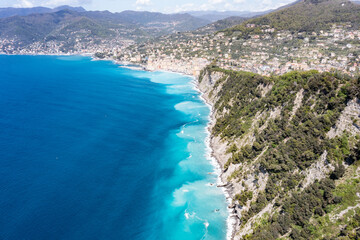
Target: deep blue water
89,150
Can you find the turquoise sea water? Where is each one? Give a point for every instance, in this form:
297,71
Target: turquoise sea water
89,150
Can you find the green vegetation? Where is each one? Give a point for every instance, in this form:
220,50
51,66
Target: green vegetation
244,197
304,16
69,26
287,144
339,220
88,27
220,25
297,210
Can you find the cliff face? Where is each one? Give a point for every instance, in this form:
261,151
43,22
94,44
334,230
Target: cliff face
289,149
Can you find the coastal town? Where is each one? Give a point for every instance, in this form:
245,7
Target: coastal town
80,46
269,52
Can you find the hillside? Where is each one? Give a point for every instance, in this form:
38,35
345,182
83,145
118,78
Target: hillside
216,15
66,28
305,16
151,22
10,12
220,25
289,147
36,27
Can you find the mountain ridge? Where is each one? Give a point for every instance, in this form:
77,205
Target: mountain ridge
10,12
218,15
127,25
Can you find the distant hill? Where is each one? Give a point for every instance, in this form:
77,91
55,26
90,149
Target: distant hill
36,27
214,16
64,7
221,24
305,16
10,12
66,24
152,22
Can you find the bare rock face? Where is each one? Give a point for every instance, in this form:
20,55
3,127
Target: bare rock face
246,179
317,170
349,120
264,89
206,85
219,148
297,103
210,84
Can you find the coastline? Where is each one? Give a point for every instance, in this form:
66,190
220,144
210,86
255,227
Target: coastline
231,220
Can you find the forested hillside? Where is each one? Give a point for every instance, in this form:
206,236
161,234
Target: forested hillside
305,16
67,26
220,25
289,146
10,12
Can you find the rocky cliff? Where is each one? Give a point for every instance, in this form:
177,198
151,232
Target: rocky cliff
289,149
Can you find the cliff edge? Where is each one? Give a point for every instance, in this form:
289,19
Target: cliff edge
288,147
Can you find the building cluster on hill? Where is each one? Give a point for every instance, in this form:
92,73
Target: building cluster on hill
271,52
88,45
267,52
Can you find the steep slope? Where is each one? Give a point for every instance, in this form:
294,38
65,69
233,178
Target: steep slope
305,16
289,147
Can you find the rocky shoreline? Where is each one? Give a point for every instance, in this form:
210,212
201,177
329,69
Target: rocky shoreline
233,219
218,152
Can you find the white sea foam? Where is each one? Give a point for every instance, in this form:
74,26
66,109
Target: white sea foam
189,215
184,107
190,107
206,224
179,198
231,221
